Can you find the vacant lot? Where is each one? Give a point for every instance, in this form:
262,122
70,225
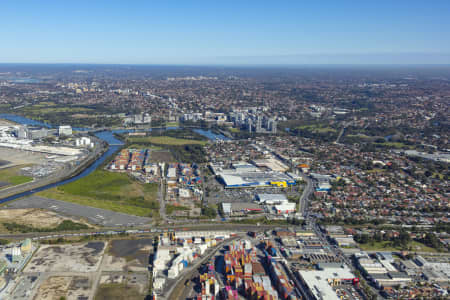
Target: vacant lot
317,128
34,217
91,214
128,255
112,191
67,258
145,146
4,122
172,124
165,140
387,246
118,292
17,157
131,250
161,156
11,176
64,287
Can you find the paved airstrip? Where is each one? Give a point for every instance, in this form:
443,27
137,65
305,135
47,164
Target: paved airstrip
93,215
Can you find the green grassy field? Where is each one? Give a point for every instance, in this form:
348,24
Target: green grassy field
118,292
376,170
42,109
165,140
140,146
386,246
171,208
172,124
395,145
12,176
438,175
319,128
108,190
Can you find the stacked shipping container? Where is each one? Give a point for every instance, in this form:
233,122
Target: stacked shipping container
246,274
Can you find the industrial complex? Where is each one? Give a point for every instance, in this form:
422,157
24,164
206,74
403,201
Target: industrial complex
242,175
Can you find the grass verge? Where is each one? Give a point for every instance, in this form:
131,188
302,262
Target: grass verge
12,176
165,140
112,191
117,292
387,246
66,225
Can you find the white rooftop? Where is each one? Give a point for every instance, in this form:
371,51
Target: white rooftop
272,197
317,281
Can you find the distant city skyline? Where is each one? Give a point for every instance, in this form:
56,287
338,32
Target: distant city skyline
228,33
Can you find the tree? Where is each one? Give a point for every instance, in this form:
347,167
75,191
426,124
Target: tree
209,212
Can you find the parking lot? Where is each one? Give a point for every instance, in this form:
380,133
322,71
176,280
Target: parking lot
347,292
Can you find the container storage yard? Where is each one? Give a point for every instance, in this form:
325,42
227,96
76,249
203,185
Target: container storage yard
137,162
176,253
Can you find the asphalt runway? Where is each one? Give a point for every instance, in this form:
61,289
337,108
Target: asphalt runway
4,162
3,184
93,215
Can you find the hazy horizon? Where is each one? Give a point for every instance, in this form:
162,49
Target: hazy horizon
225,33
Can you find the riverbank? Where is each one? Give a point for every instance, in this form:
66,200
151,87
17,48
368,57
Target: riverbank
65,174
107,147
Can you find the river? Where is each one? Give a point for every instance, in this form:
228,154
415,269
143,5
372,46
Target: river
107,136
104,135
25,121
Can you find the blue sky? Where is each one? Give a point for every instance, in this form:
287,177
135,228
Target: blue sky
225,32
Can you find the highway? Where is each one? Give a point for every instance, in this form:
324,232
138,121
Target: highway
162,200
323,238
338,253
341,132
309,189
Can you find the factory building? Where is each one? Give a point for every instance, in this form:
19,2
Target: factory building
84,142
243,175
320,283
285,208
271,198
255,179
22,132
64,130
32,133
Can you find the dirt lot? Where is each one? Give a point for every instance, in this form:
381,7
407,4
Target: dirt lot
69,287
67,258
162,156
118,292
18,157
4,122
132,249
53,288
139,281
124,255
35,217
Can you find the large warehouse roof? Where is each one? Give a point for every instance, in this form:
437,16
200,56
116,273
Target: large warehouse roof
317,281
254,178
272,198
